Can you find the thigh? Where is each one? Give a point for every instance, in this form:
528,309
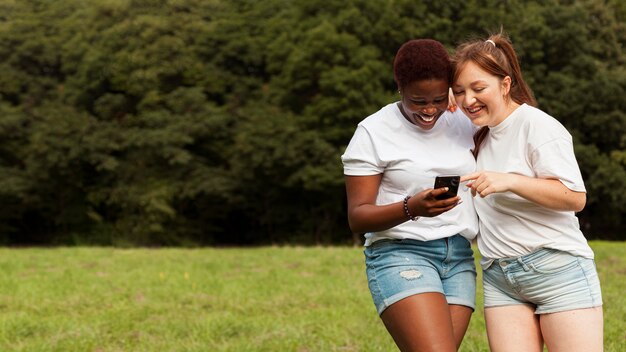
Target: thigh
421,323
574,330
513,329
460,316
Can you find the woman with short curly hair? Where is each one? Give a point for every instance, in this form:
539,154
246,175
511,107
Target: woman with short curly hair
419,261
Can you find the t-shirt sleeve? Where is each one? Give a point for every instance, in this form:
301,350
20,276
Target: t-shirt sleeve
360,157
556,159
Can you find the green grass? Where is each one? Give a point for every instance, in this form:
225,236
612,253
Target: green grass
236,299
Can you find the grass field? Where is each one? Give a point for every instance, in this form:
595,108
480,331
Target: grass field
236,299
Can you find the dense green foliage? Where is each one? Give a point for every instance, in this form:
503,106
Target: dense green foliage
213,121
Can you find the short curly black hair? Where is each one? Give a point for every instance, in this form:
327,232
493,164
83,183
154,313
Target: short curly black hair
421,59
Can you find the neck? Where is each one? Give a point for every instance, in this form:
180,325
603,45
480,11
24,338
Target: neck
406,116
511,106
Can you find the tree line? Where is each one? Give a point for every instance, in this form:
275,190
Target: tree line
201,122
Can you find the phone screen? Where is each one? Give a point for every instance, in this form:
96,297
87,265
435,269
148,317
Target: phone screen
452,182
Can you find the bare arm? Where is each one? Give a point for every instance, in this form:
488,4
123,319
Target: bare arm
365,216
549,193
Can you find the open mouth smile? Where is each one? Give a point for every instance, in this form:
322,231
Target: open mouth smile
474,110
427,118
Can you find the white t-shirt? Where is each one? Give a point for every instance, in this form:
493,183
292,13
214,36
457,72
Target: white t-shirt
531,143
409,158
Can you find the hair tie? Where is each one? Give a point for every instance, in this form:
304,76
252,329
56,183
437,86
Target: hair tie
491,41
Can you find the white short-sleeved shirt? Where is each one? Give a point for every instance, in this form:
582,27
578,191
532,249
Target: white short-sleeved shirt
409,158
531,143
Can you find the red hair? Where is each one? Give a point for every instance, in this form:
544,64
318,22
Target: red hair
497,56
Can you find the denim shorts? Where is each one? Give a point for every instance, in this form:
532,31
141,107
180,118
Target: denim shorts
550,280
397,269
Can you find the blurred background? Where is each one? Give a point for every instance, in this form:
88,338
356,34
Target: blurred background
222,122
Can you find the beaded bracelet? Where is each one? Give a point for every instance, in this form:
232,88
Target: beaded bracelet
406,209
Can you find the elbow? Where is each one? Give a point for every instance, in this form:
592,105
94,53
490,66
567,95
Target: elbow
579,202
358,221
355,226
352,224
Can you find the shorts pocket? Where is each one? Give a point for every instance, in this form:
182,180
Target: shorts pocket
555,262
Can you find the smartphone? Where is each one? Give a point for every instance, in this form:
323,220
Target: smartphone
452,182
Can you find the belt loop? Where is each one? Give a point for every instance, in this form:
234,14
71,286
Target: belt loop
526,268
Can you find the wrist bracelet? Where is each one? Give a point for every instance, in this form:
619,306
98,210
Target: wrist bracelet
406,209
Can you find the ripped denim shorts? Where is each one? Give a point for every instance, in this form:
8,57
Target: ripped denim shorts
397,269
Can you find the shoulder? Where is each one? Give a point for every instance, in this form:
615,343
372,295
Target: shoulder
382,119
538,117
541,124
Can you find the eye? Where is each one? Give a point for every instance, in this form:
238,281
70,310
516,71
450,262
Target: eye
458,92
418,102
479,89
441,100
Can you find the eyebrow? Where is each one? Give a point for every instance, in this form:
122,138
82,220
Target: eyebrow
419,97
480,81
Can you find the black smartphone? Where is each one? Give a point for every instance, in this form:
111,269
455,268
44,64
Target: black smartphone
452,182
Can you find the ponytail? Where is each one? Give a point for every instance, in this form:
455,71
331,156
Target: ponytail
520,91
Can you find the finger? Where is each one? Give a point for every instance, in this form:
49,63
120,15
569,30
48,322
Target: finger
438,191
452,201
451,100
483,189
446,204
444,209
473,176
485,192
427,193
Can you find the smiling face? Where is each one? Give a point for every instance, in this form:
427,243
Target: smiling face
424,101
483,96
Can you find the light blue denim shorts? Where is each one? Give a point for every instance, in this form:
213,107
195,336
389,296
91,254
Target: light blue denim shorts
397,269
549,280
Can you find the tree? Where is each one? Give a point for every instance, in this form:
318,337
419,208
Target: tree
181,122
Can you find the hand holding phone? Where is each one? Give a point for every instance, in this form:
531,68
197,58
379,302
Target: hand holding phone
452,182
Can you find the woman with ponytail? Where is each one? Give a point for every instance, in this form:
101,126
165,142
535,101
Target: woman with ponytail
539,277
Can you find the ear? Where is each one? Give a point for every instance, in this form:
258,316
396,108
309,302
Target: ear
506,85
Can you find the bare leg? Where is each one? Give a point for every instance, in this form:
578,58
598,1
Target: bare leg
421,323
574,330
513,329
460,321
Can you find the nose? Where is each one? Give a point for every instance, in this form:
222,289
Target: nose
468,98
429,110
